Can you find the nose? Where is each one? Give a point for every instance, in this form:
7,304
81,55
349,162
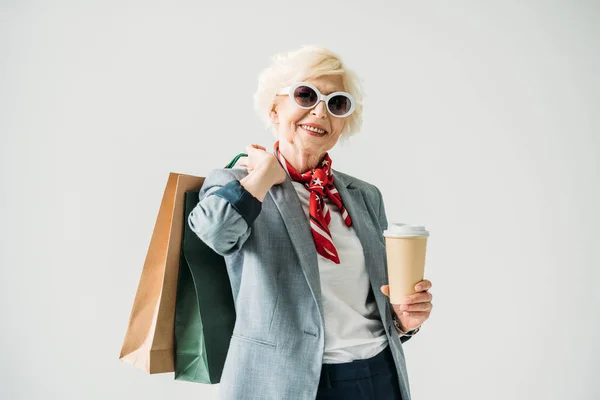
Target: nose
320,110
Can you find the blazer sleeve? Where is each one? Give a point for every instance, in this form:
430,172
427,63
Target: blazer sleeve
225,212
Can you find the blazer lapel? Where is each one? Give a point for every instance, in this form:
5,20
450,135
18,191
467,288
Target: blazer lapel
286,200
288,204
364,228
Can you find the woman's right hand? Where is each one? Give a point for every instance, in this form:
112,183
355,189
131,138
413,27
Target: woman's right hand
263,163
264,171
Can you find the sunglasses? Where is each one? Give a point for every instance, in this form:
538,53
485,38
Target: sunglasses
305,95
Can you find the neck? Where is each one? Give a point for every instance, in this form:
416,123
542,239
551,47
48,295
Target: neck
301,162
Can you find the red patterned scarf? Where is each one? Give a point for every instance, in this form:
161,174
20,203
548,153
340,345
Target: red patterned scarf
319,182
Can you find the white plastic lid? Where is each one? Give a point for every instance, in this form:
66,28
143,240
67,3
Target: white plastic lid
405,230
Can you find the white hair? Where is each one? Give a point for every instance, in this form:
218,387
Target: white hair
308,62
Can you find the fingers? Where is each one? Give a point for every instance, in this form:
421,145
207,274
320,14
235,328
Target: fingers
242,161
419,307
423,285
422,297
253,158
416,306
253,147
422,316
250,149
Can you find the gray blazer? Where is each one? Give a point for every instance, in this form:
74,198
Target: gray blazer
276,350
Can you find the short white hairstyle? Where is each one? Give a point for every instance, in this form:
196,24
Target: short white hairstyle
308,62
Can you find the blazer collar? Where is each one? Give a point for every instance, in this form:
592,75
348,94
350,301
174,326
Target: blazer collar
341,179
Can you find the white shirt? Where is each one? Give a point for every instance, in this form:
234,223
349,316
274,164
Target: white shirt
353,327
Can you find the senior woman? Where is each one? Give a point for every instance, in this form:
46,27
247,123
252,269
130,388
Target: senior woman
305,251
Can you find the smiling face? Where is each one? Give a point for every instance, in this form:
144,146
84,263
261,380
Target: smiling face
305,135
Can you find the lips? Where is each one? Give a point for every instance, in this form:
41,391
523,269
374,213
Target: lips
311,133
314,129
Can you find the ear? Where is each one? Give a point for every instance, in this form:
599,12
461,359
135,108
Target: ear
273,116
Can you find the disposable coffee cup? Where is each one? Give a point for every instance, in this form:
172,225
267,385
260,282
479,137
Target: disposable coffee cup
406,246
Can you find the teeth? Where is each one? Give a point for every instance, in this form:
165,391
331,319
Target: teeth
312,129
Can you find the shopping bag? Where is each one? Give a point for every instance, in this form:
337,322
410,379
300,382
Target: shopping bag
149,339
205,311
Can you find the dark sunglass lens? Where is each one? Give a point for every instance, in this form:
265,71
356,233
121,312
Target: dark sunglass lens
339,105
305,96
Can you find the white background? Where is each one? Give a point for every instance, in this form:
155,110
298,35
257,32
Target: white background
481,121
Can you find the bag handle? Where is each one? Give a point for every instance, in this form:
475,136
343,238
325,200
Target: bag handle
235,159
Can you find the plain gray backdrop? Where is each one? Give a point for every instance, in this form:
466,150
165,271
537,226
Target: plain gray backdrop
481,121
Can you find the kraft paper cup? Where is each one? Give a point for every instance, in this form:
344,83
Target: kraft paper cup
406,246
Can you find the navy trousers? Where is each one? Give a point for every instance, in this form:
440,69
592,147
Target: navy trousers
375,378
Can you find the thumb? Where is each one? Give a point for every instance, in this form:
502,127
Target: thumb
385,289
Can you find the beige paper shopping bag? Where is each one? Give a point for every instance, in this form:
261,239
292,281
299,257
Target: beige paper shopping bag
148,343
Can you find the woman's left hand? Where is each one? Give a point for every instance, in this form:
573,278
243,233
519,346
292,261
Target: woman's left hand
416,308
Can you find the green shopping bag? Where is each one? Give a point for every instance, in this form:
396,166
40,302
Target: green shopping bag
204,311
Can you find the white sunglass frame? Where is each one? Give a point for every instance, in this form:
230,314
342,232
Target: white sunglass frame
289,90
